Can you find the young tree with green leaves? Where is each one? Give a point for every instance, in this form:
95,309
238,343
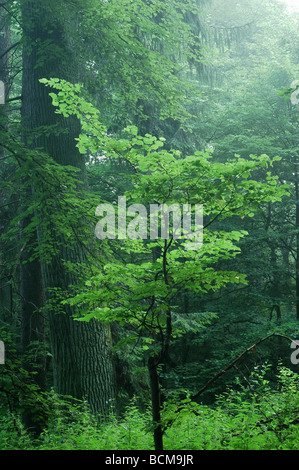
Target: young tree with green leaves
62,40
143,295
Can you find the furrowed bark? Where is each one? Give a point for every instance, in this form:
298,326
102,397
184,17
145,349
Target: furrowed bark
82,361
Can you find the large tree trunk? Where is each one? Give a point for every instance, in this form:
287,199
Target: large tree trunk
31,306
82,362
5,291
32,329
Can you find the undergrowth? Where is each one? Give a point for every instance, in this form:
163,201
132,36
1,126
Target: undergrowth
251,417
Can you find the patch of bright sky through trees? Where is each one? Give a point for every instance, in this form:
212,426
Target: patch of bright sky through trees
293,5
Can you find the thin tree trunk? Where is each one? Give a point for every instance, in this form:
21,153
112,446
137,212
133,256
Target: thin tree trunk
154,361
156,402
4,68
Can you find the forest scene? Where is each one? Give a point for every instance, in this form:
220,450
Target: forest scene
149,225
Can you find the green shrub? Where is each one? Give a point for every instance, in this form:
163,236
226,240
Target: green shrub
247,417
